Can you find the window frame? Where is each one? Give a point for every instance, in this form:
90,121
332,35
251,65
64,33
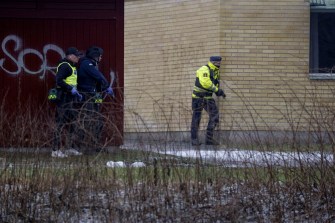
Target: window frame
313,54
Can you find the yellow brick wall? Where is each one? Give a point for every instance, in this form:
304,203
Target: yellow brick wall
265,49
165,42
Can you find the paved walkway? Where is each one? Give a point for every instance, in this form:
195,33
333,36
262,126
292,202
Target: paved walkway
234,156
222,155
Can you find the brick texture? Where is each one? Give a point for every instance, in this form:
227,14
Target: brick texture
265,49
165,42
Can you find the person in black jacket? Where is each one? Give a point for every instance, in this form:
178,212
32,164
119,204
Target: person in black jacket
91,84
66,82
89,77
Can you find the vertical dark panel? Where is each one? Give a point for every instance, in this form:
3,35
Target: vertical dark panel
39,31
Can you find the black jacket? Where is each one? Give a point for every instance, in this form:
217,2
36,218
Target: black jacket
89,77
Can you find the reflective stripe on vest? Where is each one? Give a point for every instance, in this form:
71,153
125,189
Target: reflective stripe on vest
200,92
72,79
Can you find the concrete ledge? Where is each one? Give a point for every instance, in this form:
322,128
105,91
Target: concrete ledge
233,138
322,76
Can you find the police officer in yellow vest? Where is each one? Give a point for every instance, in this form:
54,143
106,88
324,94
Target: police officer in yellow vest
207,82
66,81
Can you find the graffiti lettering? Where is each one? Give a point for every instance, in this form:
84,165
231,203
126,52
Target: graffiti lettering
22,53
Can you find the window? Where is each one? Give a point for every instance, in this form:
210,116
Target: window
322,41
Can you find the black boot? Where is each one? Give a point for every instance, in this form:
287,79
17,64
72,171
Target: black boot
195,142
210,140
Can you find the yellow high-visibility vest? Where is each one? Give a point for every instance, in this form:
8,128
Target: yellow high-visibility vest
72,79
207,81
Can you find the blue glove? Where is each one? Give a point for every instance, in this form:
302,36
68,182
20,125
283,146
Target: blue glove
75,92
110,91
79,96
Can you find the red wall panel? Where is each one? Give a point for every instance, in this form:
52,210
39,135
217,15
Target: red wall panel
34,36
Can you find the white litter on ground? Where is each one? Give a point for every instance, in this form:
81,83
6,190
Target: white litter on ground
65,153
73,152
58,154
123,164
116,164
137,164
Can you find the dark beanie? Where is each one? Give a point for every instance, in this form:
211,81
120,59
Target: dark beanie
94,52
72,50
215,58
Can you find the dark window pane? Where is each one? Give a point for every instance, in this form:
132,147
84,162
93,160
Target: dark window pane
326,37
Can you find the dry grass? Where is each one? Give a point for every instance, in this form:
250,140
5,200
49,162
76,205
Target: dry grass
38,188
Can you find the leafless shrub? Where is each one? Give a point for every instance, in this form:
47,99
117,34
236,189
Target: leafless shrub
38,188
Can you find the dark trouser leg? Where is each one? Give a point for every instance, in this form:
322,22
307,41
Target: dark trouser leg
89,116
80,134
56,139
60,118
66,119
73,125
91,123
213,113
84,121
197,106
98,124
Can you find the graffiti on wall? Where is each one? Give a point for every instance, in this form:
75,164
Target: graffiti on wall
16,55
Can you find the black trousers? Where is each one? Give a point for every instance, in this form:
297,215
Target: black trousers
66,118
198,105
91,121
